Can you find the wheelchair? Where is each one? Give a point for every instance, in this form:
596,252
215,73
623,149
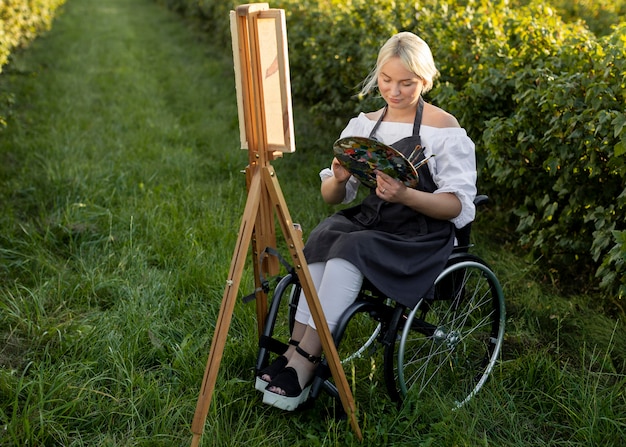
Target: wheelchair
446,345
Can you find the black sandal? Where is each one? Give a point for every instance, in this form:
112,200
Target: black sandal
272,370
287,380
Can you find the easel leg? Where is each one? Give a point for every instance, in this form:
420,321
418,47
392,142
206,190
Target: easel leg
295,245
226,309
262,178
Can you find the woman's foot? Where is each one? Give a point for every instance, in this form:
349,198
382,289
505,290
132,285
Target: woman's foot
291,386
264,377
291,395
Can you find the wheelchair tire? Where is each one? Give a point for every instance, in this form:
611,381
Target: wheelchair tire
448,345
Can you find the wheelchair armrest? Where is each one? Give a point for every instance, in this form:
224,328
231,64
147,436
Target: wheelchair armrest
481,200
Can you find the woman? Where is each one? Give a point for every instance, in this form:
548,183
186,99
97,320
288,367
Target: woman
399,238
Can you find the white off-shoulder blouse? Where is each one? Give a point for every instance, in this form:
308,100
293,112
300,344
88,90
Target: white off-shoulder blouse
453,168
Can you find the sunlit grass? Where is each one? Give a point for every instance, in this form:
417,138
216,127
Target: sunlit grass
121,197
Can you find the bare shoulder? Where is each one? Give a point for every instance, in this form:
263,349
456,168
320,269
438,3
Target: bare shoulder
436,117
375,115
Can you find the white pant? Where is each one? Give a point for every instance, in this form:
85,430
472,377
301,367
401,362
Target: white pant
337,282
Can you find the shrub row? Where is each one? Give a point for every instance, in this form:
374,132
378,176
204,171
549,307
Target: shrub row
547,101
21,21
562,152
543,98
599,15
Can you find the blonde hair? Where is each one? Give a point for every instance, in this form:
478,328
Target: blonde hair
414,53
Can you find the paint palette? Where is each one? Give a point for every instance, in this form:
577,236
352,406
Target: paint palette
363,156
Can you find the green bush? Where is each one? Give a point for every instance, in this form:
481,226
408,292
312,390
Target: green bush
546,99
540,93
21,21
560,156
599,15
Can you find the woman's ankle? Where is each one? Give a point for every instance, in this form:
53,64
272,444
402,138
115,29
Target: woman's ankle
289,352
304,367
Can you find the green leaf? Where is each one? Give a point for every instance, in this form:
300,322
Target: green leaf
619,122
620,147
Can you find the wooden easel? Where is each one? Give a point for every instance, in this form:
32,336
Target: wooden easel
257,98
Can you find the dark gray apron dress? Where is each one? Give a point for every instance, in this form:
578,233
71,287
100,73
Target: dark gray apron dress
400,251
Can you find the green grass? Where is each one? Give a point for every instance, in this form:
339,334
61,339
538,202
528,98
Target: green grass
120,201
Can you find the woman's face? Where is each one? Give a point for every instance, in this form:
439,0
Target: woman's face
399,87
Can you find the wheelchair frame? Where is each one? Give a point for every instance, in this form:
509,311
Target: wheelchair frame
447,344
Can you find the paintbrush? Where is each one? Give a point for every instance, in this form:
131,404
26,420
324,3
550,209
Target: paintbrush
423,162
415,154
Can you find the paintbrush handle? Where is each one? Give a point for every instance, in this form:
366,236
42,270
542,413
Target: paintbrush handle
423,162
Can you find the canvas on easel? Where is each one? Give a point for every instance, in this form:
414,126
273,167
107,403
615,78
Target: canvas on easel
275,84
266,131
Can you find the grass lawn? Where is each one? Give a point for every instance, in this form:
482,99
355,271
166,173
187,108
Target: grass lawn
121,194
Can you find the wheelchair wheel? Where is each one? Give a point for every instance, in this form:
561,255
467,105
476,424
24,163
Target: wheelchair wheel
360,342
448,345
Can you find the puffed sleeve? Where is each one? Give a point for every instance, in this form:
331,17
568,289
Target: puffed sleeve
455,171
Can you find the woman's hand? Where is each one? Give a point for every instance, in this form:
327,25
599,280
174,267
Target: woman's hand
389,189
443,206
334,188
341,174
